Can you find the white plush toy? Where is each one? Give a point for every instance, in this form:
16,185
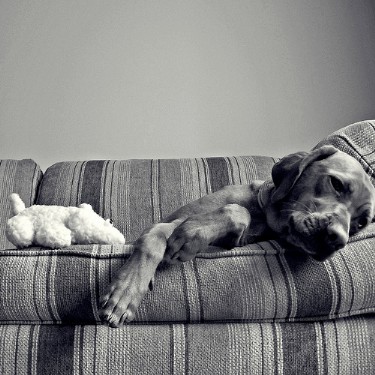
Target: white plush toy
57,226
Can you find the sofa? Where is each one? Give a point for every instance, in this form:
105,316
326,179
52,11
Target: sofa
258,309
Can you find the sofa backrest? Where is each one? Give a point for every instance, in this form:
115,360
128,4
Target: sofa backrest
136,193
16,176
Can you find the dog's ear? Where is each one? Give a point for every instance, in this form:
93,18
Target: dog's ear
287,171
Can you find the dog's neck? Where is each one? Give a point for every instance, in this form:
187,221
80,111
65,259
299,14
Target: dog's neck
264,194
259,229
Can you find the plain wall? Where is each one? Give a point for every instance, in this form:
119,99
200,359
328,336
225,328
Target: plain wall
149,79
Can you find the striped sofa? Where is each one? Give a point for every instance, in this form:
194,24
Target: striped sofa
259,309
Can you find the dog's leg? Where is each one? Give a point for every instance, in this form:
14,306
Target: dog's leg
183,238
125,293
225,227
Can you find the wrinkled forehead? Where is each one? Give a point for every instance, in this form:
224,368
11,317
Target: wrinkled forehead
348,168
341,161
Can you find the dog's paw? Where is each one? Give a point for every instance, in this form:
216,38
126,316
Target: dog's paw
119,303
186,241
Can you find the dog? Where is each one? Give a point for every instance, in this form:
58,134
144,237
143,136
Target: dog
314,202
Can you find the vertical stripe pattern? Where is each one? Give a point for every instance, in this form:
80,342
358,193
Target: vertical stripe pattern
257,282
334,347
137,193
16,176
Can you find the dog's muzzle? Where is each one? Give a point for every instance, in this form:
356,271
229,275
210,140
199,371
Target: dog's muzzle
319,235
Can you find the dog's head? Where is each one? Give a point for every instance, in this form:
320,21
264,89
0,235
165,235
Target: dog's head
319,199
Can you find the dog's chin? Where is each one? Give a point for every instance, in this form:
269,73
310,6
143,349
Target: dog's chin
310,246
321,257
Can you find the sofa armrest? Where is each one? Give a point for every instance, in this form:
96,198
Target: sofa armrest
16,176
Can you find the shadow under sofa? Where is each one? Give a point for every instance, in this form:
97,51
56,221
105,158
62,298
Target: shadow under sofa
259,309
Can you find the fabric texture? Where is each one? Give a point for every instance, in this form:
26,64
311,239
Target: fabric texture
344,347
136,193
259,282
16,176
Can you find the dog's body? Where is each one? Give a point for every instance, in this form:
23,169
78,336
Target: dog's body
315,201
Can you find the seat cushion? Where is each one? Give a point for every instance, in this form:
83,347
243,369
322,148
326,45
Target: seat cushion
16,176
259,282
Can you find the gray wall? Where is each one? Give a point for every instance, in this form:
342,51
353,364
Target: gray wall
123,79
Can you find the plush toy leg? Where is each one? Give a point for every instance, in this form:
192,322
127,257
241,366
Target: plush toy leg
53,235
20,231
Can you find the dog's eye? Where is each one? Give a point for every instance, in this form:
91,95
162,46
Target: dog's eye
337,184
362,222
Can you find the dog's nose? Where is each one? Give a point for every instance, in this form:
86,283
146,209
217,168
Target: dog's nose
337,237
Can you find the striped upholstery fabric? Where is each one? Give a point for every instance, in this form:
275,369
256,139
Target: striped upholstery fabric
16,176
259,282
344,347
136,193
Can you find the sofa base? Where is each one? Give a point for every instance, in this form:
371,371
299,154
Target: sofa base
344,346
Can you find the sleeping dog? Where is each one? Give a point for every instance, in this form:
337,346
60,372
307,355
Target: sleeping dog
314,202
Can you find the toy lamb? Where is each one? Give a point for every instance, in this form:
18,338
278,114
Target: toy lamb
57,226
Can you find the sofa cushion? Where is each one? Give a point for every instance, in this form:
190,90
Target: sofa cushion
259,282
136,193
16,176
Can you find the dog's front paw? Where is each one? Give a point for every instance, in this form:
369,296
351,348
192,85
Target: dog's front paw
120,301
186,241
